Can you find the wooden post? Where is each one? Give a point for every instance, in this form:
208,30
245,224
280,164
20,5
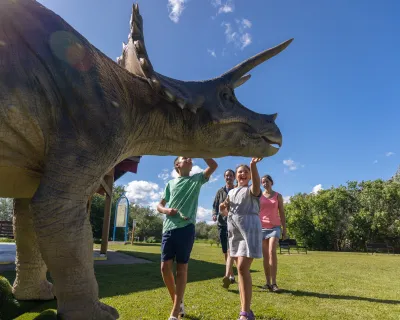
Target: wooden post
108,182
133,235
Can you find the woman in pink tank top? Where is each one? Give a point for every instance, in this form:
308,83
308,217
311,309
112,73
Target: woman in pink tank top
272,216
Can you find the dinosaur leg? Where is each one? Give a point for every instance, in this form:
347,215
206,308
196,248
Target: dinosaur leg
66,242
31,282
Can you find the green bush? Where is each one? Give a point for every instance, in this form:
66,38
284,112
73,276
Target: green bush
7,240
151,240
8,305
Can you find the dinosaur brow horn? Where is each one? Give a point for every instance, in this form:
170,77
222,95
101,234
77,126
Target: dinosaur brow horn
241,69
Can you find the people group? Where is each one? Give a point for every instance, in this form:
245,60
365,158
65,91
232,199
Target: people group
250,223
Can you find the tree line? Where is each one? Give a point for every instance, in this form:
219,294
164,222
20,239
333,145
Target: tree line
346,217
339,218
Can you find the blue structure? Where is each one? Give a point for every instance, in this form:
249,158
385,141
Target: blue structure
121,216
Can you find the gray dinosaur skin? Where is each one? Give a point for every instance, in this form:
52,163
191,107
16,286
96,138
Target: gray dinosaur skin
68,114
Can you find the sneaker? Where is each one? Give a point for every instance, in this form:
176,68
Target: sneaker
232,279
226,282
172,318
182,310
274,288
267,287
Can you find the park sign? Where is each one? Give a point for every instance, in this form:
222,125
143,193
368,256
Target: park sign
121,216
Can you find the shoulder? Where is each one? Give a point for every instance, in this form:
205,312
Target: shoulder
196,176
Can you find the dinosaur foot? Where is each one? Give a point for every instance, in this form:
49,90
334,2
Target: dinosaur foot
42,290
98,311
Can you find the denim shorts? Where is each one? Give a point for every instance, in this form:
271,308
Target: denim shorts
178,244
275,232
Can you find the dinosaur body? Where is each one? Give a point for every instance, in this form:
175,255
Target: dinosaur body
68,114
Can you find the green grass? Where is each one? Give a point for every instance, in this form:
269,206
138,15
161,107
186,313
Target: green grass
319,285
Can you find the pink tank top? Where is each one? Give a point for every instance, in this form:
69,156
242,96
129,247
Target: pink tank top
269,213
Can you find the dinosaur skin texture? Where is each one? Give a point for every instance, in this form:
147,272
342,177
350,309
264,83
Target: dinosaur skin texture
69,114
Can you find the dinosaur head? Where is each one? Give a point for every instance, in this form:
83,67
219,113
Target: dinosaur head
205,118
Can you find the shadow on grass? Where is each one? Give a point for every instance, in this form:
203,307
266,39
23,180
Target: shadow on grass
114,280
300,293
125,279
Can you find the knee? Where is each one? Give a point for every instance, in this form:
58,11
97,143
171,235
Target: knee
165,267
181,268
243,268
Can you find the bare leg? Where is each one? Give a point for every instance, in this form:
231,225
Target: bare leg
229,265
266,259
31,282
273,259
168,277
66,243
245,282
181,280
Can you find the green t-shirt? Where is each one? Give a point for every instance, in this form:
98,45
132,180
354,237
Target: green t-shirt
182,193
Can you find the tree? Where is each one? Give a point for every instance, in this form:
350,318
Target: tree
148,222
6,209
347,216
202,229
396,177
213,234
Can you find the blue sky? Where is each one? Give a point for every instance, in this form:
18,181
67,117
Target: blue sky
335,87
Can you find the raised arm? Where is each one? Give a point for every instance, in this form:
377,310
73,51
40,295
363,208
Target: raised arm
282,215
255,186
212,166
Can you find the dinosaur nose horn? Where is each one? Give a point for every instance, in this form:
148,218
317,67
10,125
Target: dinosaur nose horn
274,116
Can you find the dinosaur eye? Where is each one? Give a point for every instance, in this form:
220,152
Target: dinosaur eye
225,96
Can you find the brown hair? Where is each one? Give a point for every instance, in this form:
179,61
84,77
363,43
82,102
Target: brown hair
236,170
175,161
267,176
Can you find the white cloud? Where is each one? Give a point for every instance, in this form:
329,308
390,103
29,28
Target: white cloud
317,188
164,175
176,8
144,193
228,7
246,23
390,153
375,161
230,34
212,52
245,40
286,199
204,214
216,3
291,165
241,38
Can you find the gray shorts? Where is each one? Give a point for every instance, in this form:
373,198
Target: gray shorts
275,232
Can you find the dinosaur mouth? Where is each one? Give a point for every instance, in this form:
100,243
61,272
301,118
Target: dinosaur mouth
274,144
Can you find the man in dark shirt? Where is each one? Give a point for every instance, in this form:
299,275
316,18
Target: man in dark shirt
220,197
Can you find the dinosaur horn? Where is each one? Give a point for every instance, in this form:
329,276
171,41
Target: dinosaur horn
241,69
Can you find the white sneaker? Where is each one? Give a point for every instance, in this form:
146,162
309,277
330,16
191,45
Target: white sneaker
172,318
182,310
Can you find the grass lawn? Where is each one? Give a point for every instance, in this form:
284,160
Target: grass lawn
319,285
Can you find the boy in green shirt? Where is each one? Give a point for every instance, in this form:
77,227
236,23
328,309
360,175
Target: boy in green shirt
182,196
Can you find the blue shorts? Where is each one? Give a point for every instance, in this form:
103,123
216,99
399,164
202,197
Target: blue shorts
275,232
177,244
